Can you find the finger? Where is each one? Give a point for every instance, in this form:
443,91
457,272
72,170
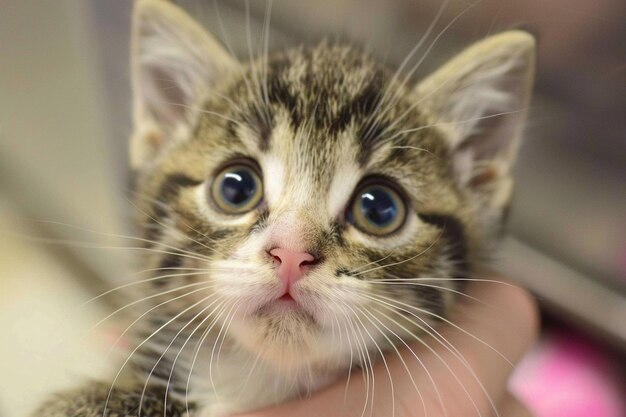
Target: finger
512,407
485,341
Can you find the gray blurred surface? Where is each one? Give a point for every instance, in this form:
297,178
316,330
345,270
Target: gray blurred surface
56,146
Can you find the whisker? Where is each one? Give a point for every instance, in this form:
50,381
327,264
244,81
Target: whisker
401,262
179,352
151,279
255,73
413,279
210,112
242,71
201,342
454,123
430,377
87,245
197,348
370,263
383,281
367,315
167,208
451,348
242,387
117,375
160,294
222,334
397,73
345,327
265,55
445,320
378,348
158,361
367,364
425,55
415,148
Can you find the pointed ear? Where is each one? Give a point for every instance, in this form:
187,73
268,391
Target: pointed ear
175,63
480,99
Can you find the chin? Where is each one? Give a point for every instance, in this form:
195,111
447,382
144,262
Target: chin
282,333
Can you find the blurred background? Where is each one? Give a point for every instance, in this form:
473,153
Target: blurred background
65,119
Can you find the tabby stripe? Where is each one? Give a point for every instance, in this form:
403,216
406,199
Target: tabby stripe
429,298
278,91
454,235
363,105
172,184
169,262
168,190
261,221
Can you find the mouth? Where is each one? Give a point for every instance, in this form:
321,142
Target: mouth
286,297
285,303
286,306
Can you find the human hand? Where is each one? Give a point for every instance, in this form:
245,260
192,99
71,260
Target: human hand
465,376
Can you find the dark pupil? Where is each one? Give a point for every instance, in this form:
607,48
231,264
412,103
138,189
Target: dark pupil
238,186
378,207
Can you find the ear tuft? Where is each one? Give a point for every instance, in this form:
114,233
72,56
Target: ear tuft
175,63
480,98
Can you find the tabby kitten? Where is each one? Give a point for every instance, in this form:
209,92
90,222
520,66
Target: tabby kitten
304,212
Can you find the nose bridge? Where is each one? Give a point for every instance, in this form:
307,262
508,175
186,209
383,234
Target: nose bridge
298,213
296,229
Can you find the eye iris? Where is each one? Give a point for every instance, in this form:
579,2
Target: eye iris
378,207
238,187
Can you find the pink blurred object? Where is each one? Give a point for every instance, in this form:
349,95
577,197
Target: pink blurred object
566,376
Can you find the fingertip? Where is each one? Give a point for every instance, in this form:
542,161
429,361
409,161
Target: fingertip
509,304
512,407
528,309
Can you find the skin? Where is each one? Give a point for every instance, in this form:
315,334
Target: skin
506,318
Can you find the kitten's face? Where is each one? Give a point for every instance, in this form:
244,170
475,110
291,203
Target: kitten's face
322,197
313,174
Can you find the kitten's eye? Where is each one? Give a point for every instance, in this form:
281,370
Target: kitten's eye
377,209
237,189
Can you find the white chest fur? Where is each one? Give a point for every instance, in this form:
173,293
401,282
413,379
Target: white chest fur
240,381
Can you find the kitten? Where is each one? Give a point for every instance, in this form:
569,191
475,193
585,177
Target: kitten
303,211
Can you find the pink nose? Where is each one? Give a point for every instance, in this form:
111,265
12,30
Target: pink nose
290,266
